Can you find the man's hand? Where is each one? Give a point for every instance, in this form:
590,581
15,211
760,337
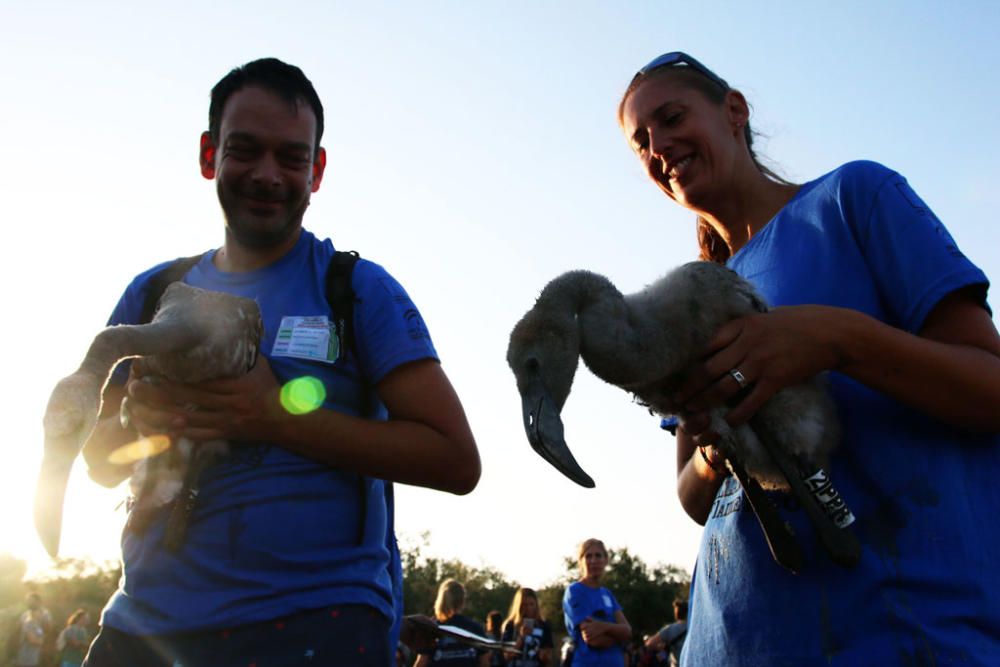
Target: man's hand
232,409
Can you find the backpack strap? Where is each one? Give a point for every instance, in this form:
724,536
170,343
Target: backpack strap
340,296
162,279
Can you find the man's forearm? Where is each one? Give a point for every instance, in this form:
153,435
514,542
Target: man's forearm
107,436
398,450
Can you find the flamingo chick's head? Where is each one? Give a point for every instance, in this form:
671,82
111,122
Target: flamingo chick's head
543,353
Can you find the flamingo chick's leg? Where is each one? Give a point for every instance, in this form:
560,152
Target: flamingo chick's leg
779,535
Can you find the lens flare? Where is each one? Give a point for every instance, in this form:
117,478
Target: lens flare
303,395
140,449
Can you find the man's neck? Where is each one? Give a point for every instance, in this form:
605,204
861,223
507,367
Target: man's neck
234,257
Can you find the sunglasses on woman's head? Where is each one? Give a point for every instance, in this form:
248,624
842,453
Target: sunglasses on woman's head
681,59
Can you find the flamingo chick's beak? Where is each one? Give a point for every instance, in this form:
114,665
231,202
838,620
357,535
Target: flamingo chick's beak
544,428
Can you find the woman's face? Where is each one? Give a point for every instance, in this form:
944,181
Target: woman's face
529,607
594,560
689,145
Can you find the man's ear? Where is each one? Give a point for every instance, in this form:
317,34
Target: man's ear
206,156
319,166
737,110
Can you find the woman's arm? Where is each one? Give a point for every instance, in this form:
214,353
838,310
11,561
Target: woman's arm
604,634
951,370
697,481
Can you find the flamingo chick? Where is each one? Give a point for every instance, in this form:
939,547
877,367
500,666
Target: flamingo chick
645,343
195,335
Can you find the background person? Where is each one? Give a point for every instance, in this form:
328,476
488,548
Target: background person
670,639
868,285
74,639
290,549
594,619
530,633
31,639
447,650
494,630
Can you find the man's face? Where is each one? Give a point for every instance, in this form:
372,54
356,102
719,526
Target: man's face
264,166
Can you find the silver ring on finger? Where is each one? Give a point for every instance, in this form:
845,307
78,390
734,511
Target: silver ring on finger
741,379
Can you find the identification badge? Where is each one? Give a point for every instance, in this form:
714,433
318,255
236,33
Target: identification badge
313,338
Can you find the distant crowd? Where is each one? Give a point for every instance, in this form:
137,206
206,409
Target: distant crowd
33,640
598,631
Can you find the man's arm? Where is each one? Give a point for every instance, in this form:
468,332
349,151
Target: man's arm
107,436
426,442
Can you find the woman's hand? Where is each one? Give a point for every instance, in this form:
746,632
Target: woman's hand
772,350
595,633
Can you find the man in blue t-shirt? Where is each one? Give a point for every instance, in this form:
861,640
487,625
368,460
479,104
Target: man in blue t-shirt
290,555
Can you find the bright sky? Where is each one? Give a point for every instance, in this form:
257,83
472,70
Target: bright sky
474,152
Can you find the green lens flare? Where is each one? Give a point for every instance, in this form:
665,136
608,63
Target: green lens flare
302,395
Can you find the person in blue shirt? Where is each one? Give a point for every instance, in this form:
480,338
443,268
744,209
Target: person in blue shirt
594,619
290,556
869,287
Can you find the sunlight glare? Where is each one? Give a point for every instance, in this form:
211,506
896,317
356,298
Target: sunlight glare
302,395
140,449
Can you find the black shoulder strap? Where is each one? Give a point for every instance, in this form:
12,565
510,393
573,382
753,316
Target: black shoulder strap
159,282
340,295
339,291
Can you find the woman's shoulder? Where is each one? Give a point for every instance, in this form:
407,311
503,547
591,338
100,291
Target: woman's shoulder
860,172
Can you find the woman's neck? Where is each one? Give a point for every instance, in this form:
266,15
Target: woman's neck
747,209
592,582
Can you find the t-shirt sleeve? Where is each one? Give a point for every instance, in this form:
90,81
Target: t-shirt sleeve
572,615
912,257
392,330
670,632
128,310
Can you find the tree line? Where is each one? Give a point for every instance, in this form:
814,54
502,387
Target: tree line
644,591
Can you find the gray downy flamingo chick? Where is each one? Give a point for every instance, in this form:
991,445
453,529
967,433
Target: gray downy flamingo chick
645,343
195,335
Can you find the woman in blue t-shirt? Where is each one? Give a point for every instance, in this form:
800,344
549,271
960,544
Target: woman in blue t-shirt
868,286
593,616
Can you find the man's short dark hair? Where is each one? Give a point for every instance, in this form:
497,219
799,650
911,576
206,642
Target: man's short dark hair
286,81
